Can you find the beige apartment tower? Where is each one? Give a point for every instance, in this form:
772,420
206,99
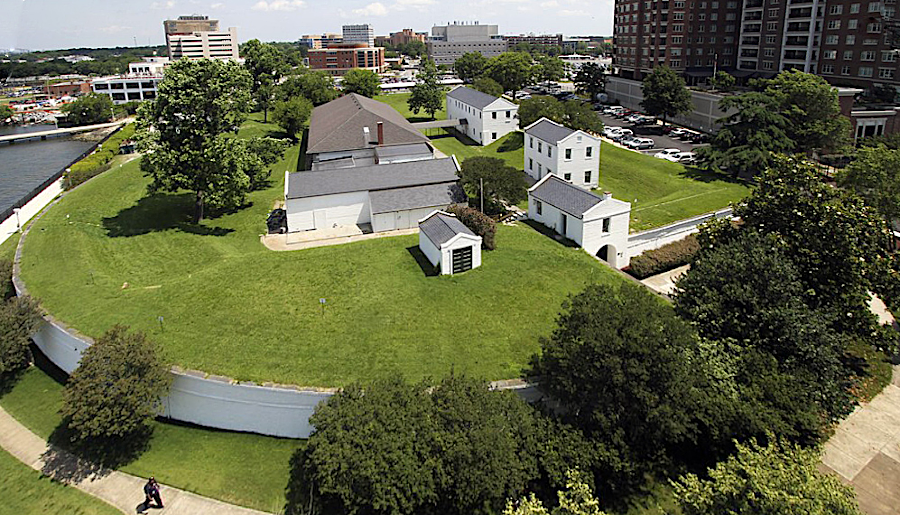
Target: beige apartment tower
198,37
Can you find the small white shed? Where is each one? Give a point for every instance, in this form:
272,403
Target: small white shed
449,244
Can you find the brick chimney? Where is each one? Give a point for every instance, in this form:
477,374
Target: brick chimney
380,133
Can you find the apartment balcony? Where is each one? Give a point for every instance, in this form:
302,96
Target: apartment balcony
797,41
753,16
798,27
753,4
753,27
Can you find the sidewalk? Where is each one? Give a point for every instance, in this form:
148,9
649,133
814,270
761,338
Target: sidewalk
123,491
865,451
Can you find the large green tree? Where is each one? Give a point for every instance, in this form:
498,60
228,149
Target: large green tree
488,85
266,65
116,390
316,86
20,318
453,446
292,115
185,134
548,69
362,82
874,174
89,109
500,182
665,94
574,114
470,66
771,479
512,70
620,365
591,80
428,94
576,499
750,136
810,104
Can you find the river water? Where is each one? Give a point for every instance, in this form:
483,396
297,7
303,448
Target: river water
27,164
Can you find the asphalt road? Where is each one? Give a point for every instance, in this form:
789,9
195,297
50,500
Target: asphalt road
648,131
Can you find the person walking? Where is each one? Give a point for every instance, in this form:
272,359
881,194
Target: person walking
151,492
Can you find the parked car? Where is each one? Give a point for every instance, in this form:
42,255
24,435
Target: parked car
699,137
621,135
677,132
276,223
640,143
686,158
634,118
667,153
688,134
624,139
612,109
624,113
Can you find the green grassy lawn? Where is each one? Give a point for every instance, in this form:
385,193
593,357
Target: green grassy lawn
232,307
399,102
8,247
24,491
662,192
249,470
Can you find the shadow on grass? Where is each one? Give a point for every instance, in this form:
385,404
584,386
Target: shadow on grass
701,175
71,459
515,141
159,212
427,268
550,233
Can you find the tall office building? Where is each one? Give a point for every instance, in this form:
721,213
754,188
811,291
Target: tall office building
842,41
198,37
449,42
363,33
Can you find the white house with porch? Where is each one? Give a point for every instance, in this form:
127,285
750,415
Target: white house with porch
599,225
487,118
571,155
448,243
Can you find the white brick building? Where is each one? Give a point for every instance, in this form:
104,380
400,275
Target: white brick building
571,155
488,118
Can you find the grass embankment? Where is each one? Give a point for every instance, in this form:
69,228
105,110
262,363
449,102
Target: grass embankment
24,491
249,470
232,307
662,192
399,101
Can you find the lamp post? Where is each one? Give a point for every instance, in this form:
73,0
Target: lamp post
18,221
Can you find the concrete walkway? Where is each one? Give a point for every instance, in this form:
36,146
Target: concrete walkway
123,491
325,237
865,451
665,282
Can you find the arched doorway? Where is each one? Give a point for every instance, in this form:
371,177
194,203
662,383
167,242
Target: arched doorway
607,253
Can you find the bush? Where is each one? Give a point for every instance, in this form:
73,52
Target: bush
115,391
20,317
665,258
477,222
95,163
6,285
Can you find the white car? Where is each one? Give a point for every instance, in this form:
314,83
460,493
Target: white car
622,134
686,158
677,133
669,153
613,109
635,118
640,143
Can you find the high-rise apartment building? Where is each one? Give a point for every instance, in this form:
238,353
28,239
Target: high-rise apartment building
363,33
449,42
198,37
843,41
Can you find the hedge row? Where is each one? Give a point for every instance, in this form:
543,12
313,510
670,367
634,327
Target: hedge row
96,162
667,257
477,222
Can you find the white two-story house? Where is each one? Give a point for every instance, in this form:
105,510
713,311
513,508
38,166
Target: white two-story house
487,118
553,149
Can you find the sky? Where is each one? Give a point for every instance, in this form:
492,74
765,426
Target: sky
55,24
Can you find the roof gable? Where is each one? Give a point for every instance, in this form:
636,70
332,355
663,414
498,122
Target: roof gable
338,125
473,97
564,196
549,131
371,178
442,228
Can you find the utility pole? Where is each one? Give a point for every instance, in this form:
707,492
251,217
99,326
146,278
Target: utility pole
481,196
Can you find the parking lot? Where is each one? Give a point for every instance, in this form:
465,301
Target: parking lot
650,131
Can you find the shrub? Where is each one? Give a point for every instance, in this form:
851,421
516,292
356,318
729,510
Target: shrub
665,258
477,222
116,389
20,317
95,163
6,285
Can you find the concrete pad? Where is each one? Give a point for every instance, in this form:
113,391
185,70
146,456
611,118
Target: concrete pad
881,479
665,282
872,505
845,464
865,429
892,450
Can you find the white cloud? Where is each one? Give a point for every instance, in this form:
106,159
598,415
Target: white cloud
112,29
163,5
418,5
551,3
278,5
574,12
216,5
373,9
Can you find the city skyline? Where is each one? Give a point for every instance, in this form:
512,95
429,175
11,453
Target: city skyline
36,25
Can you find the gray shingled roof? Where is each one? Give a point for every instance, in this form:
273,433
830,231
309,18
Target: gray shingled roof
370,178
441,228
472,97
416,197
565,197
338,125
549,131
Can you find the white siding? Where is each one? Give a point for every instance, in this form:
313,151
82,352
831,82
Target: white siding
340,209
557,162
595,239
553,218
461,241
427,247
482,125
407,219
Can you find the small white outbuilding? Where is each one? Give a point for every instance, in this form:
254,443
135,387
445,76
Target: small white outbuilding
449,244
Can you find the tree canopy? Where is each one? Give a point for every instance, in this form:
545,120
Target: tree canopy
771,479
292,115
184,134
874,175
810,104
313,85
574,114
89,109
665,94
117,387
362,82
428,94
512,70
266,66
488,85
576,499
470,66
502,182
548,69
20,318
591,79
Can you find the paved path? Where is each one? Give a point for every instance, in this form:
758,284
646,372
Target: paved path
123,491
665,282
865,451
58,132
